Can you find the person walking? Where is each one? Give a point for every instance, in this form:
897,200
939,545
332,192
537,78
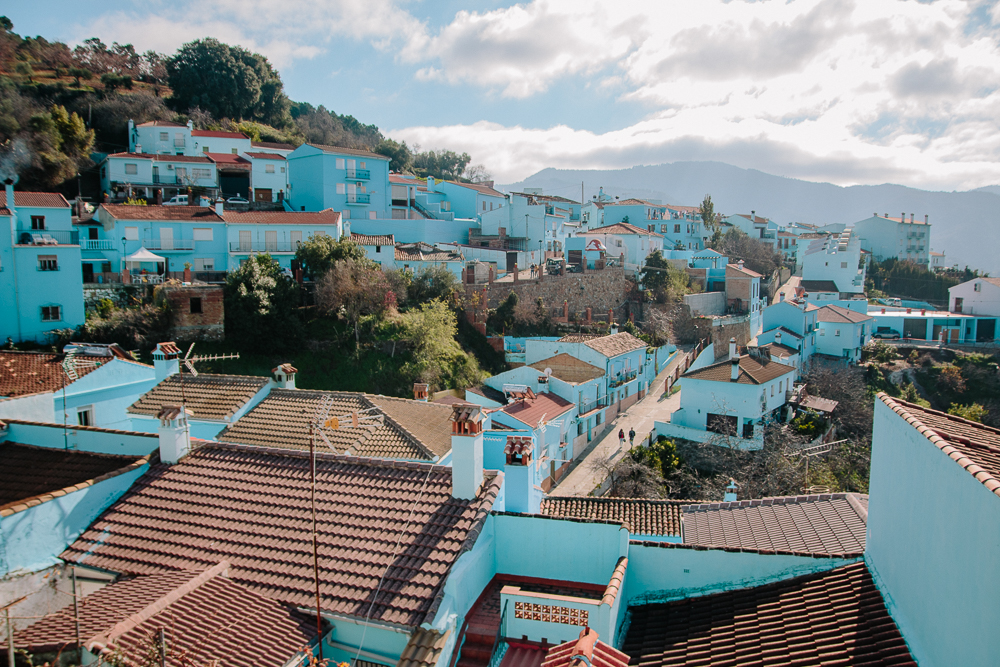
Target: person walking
631,436
621,438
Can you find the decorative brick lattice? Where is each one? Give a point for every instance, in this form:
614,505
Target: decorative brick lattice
550,614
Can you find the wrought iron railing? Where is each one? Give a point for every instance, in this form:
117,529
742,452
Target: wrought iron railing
263,246
500,641
359,198
47,237
359,174
586,407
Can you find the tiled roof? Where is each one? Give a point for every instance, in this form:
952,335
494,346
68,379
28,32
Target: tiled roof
744,270
640,516
190,213
623,228
228,159
338,150
33,372
406,179
828,524
160,123
531,410
390,522
569,369
819,286
327,217
609,346
752,371
753,218
586,650
218,135
282,420
839,314
970,444
39,199
266,156
837,617
272,145
492,394
27,471
156,157
370,239
207,396
481,188
429,422
778,350
424,648
423,252
208,618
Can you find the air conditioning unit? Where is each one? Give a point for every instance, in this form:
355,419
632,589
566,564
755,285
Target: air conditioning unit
170,166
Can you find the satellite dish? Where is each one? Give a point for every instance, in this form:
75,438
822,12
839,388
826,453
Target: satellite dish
548,371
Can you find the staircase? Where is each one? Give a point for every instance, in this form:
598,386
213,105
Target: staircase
481,630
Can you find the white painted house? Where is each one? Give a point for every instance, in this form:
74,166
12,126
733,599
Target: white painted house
898,238
627,242
836,258
979,296
843,332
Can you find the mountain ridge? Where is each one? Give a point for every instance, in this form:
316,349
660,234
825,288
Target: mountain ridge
957,218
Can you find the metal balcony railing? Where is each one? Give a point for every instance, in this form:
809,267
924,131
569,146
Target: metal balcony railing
164,179
97,244
167,245
47,237
587,406
359,198
359,174
263,246
623,378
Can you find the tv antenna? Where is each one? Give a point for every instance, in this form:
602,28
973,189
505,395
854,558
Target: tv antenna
190,361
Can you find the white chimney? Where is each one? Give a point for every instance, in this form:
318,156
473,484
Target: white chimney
191,125
175,433
165,360
777,338
520,493
735,375
430,184
421,391
9,191
927,219
730,496
138,148
284,376
781,297
732,348
219,206
466,450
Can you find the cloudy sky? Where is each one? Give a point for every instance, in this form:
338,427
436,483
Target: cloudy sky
865,91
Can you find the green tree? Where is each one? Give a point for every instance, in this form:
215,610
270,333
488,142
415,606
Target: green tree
437,357
60,146
79,73
756,255
320,253
353,289
24,69
399,154
973,412
113,82
444,165
655,271
707,211
260,304
433,282
227,82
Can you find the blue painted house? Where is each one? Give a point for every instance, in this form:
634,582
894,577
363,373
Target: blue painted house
354,182
41,281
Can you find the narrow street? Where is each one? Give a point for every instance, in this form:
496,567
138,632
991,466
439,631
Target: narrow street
582,479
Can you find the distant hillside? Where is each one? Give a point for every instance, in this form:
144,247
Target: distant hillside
965,225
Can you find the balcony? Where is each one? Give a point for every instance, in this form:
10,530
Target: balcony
263,246
359,199
180,143
97,244
623,378
164,179
359,174
167,245
590,406
48,237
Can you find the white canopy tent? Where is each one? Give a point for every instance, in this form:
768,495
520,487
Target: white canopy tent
134,263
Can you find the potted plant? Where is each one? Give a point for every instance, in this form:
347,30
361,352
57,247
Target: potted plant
187,272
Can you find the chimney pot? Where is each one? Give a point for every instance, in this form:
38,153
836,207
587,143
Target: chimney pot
174,432
927,219
466,450
219,206
421,391
165,360
284,376
735,375
781,297
732,348
9,190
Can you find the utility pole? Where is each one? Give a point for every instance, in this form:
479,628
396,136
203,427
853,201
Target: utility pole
10,631
76,615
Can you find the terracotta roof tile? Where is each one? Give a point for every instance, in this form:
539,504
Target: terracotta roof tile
228,159
641,517
423,252
370,239
160,123
156,157
623,228
569,369
481,188
839,314
250,506
819,286
27,471
531,410
266,156
207,396
972,445
327,217
424,648
219,135
828,524
339,150
191,213
282,420
837,617
39,199
752,371
595,653
205,616
34,372
609,346
272,145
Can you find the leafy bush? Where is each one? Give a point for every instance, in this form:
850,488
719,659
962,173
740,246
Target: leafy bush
880,352
131,328
973,412
260,303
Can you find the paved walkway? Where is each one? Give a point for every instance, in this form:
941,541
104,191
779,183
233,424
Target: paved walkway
788,288
582,479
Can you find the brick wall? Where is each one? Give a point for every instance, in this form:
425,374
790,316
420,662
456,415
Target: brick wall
206,325
598,290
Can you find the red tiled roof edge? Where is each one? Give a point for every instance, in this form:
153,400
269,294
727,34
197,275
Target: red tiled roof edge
615,585
574,519
899,407
431,456
491,489
329,456
764,552
777,500
51,495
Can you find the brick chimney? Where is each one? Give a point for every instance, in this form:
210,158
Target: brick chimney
735,364
284,376
165,360
466,450
520,492
175,433
421,391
